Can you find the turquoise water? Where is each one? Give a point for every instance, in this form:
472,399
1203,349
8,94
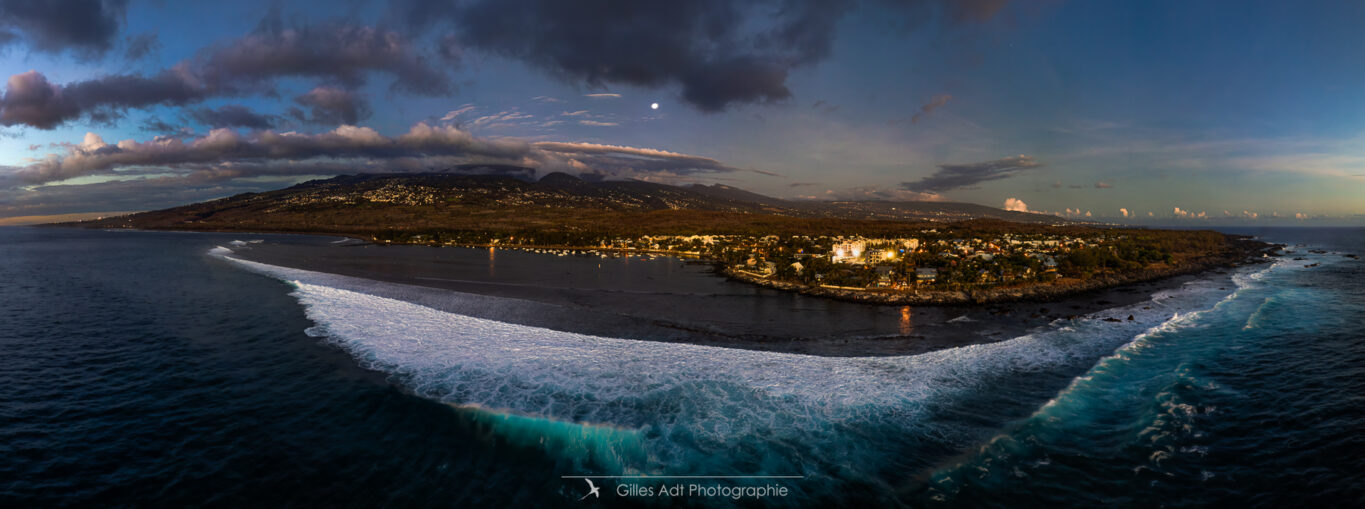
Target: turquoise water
1241,389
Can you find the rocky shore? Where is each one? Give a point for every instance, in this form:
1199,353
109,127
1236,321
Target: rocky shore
1240,251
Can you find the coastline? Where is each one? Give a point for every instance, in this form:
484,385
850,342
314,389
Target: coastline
1241,250
1245,251
668,299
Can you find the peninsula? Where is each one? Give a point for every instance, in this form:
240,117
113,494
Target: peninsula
882,252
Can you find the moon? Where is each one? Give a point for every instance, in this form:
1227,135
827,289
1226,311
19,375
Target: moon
654,106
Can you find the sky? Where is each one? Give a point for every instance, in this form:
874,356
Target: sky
1144,112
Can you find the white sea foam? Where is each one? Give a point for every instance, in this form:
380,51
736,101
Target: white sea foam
719,396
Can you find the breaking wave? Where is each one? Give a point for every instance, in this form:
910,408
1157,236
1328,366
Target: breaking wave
654,407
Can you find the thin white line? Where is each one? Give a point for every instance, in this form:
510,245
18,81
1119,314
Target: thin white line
682,477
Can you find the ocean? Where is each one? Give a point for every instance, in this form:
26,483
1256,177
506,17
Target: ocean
168,369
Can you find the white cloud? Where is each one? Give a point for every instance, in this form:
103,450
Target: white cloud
1016,205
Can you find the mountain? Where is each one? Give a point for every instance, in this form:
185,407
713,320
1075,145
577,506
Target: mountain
503,199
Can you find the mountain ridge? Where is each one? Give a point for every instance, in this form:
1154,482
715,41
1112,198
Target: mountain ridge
504,199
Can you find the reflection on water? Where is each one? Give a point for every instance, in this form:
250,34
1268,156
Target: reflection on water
907,321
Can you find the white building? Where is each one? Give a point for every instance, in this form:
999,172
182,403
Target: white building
848,252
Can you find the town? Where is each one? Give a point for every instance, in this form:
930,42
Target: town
932,259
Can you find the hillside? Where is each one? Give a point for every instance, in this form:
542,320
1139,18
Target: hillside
369,203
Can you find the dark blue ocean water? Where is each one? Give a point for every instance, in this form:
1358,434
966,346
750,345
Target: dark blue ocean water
151,369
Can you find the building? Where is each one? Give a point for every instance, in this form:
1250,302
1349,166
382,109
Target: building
848,252
926,275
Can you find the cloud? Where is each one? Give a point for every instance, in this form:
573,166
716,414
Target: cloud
578,113
502,119
1186,214
232,115
332,106
1103,185
954,176
226,154
1016,205
89,28
824,107
341,54
139,46
598,124
157,125
31,100
929,107
1124,212
719,53
455,113
603,96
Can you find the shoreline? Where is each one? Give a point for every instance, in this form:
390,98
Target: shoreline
674,300
1245,253
1241,250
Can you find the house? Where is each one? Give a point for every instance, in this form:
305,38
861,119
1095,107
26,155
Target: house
926,275
984,276
769,268
798,267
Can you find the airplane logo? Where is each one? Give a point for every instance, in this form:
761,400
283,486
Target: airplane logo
593,491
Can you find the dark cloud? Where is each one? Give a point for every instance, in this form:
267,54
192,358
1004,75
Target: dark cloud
449,50
824,107
929,107
31,100
347,149
956,11
332,106
954,176
337,53
87,27
232,115
139,46
157,125
719,52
